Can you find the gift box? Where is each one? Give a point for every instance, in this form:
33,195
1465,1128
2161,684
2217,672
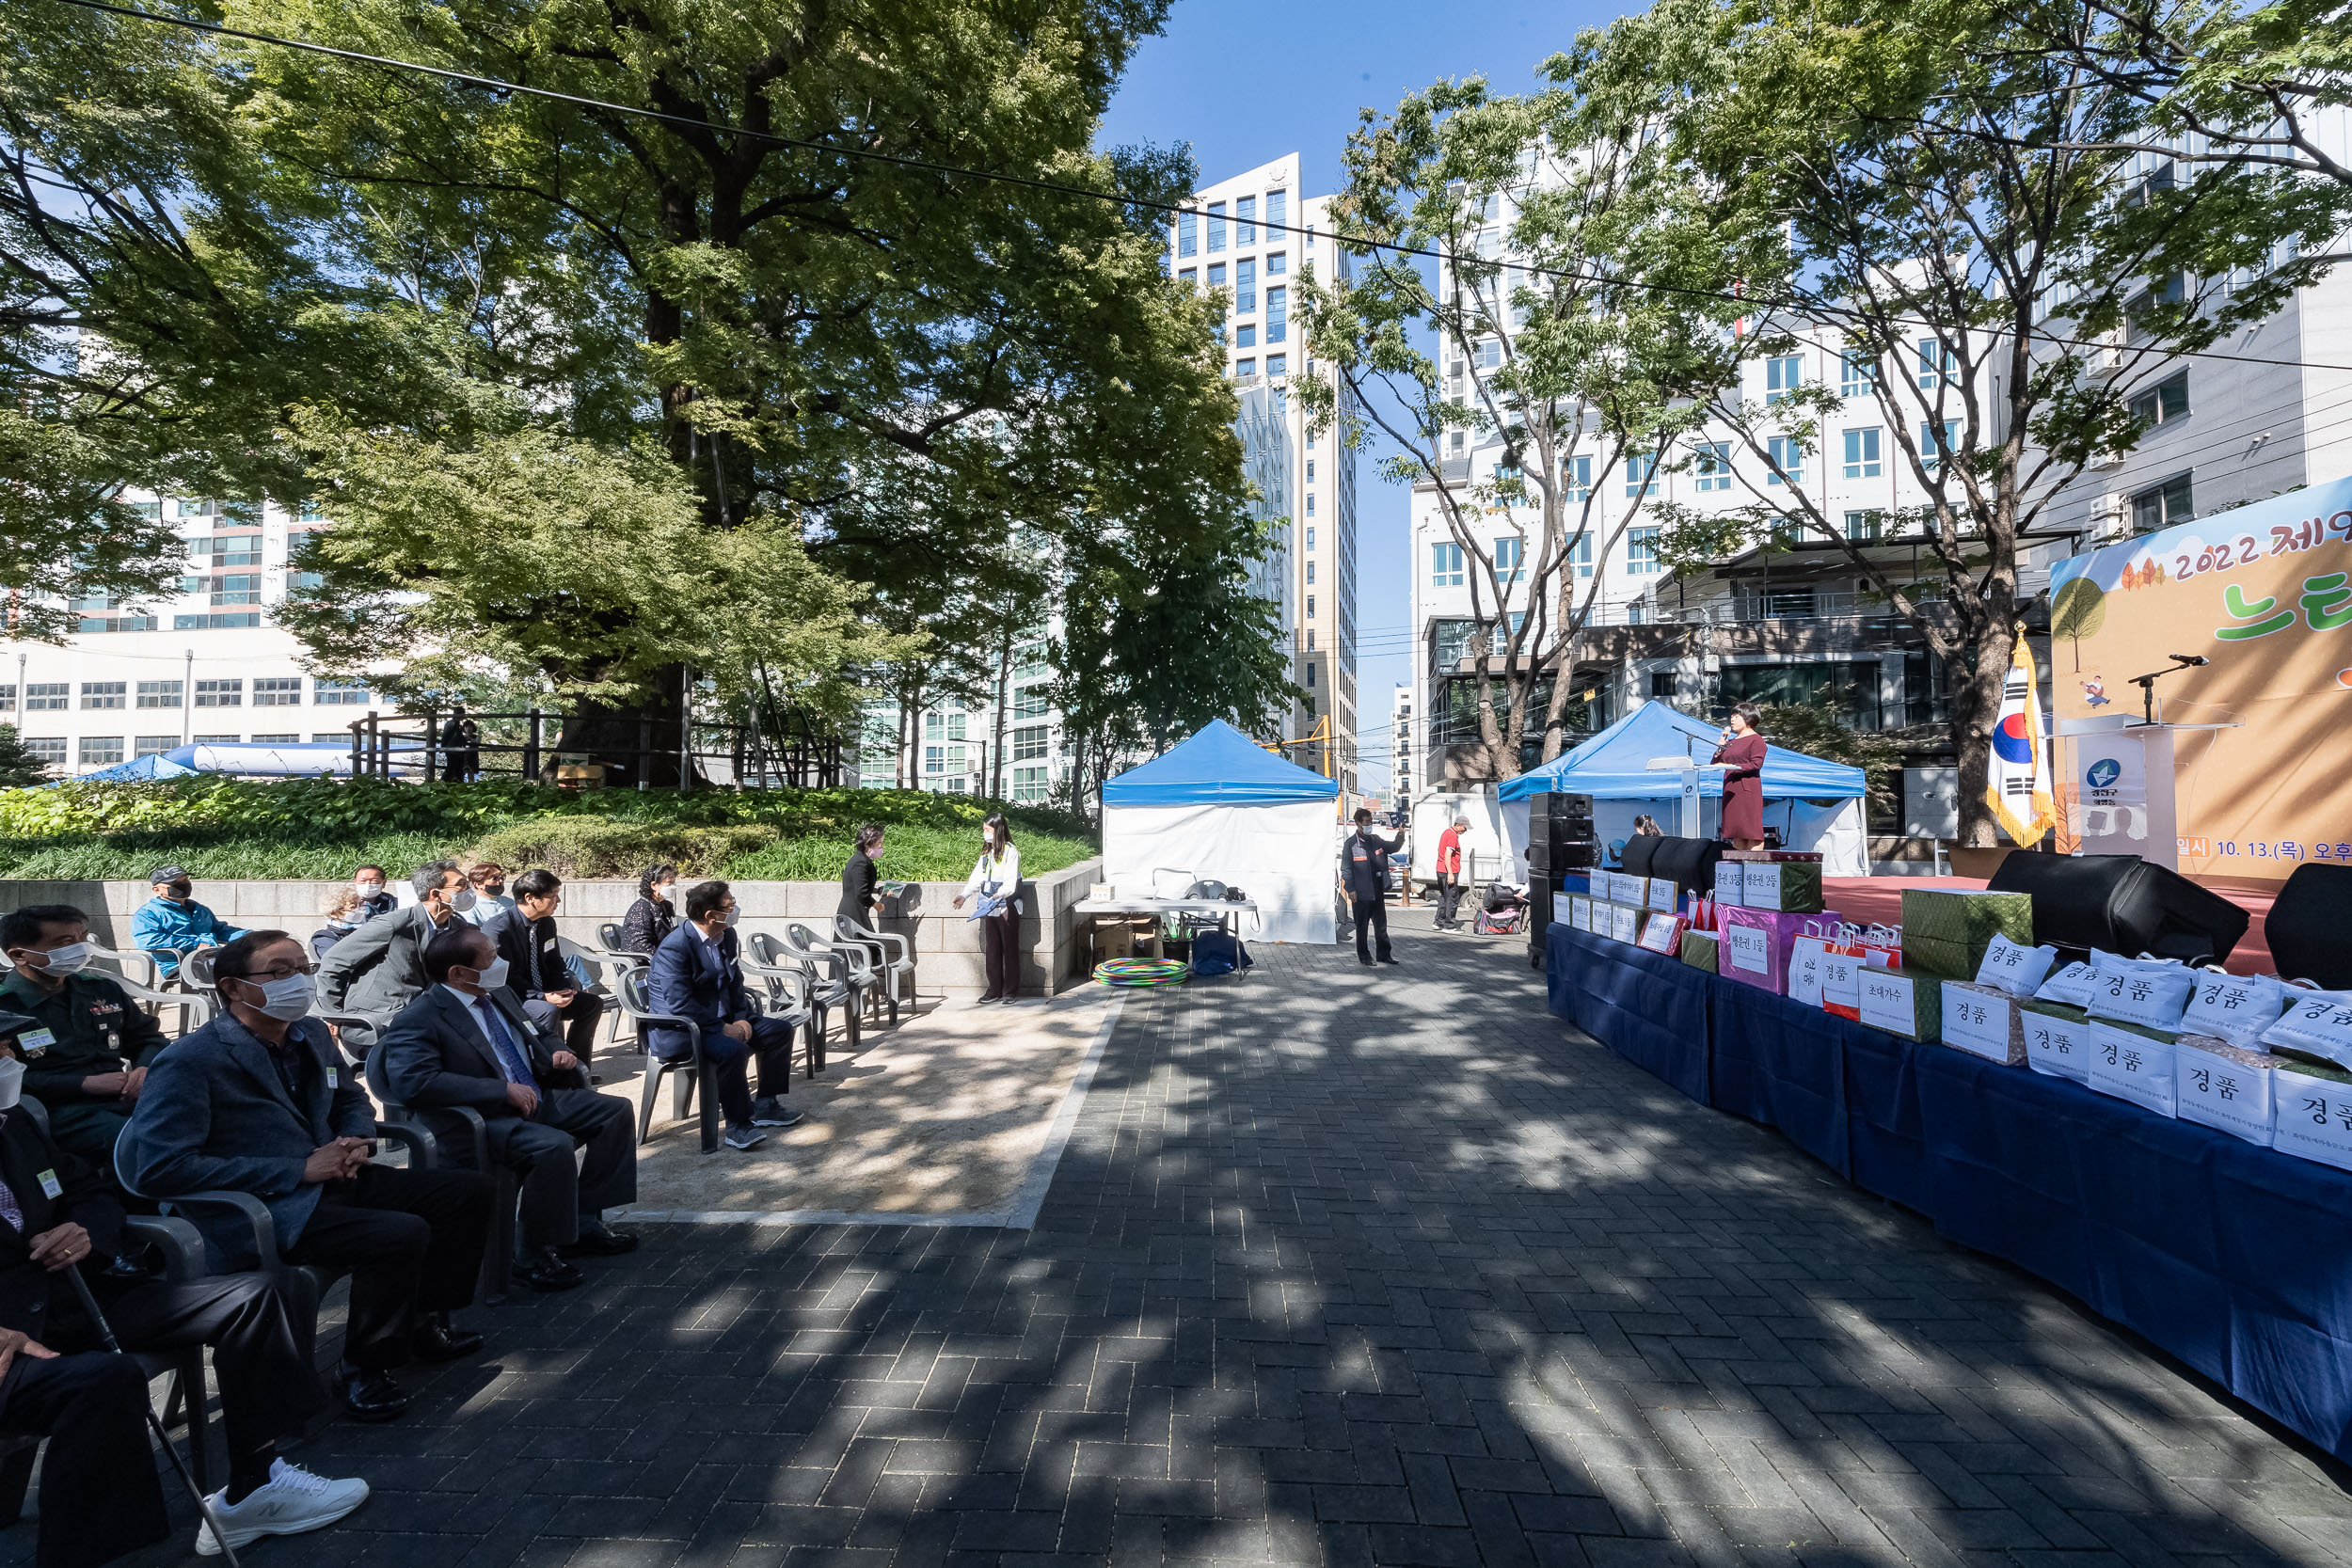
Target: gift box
1983,1020
1731,884
1755,945
1946,934
2311,1113
1663,894
1698,950
2225,1087
2133,1063
1661,932
1902,1001
2058,1040
1581,911
1625,922
1791,886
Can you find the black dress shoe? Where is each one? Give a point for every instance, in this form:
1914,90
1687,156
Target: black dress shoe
438,1339
371,1396
544,1271
126,1268
597,1241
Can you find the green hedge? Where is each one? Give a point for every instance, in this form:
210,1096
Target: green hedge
221,827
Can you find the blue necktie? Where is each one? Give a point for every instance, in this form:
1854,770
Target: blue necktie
511,1057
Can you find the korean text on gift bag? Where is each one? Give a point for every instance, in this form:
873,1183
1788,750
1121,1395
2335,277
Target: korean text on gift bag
1983,1021
2318,1023
2057,1040
2222,1086
2235,1008
1842,965
2070,986
2135,1066
2312,1117
2014,969
2149,994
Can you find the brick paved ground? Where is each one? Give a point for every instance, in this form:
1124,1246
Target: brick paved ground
1341,1267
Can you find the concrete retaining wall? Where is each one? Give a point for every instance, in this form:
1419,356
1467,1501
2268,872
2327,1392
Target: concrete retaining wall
946,945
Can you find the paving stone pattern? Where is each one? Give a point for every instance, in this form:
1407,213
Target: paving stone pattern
1341,1266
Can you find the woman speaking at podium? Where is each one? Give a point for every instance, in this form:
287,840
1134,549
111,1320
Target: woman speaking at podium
1743,754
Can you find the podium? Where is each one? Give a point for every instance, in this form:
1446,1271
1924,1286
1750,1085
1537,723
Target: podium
2122,785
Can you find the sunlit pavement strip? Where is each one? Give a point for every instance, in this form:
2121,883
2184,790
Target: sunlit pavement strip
1018,1214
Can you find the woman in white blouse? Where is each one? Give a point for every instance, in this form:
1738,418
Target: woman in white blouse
995,881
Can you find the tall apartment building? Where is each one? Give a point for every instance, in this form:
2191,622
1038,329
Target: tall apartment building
1253,237
202,664
959,747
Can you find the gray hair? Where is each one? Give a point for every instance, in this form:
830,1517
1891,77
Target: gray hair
428,878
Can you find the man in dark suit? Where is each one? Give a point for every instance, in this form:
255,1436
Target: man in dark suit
54,1213
467,1042
536,971
379,968
1364,872
698,975
259,1101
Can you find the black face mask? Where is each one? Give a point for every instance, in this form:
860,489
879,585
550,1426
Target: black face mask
492,890
180,893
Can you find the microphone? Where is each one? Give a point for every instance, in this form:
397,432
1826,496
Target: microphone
2188,659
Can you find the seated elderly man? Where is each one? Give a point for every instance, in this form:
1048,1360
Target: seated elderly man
172,922
379,968
697,974
259,1101
467,1042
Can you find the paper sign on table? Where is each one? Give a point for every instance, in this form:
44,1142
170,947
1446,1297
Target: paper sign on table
2058,1040
1662,933
1625,922
2312,1115
1580,910
2222,1085
2133,1064
1983,1020
1902,1004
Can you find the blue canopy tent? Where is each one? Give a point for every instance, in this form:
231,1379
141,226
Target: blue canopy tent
1613,767
1220,806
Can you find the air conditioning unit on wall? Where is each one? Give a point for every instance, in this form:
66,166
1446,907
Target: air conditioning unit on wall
2112,517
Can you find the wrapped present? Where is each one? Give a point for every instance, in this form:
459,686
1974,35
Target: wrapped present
2133,1063
1755,942
2013,968
2235,1007
1946,934
1625,922
1663,894
1698,950
2225,1087
1902,1001
1580,910
2311,1113
1731,884
1661,932
2058,1040
1791,886
2139,992
1983,1020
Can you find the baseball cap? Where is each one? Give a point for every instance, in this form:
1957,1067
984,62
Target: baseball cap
164,874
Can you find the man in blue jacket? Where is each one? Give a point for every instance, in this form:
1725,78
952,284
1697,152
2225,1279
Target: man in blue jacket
259,1101
698,975
173,922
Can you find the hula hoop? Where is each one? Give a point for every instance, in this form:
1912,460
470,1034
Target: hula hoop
1142,971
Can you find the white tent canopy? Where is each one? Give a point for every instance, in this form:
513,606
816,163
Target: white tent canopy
1220,807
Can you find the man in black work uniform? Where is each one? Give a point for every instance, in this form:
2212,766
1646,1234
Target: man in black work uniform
89,1047
1364,872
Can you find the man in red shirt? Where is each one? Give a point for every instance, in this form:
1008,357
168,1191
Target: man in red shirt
1450,875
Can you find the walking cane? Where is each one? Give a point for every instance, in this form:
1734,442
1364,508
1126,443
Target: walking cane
107,1333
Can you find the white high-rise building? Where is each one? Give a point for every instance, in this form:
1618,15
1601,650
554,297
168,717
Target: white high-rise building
1254,237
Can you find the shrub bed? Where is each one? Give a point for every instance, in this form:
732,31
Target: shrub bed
226,828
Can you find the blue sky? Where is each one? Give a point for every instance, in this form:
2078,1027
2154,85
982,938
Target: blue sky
1246,82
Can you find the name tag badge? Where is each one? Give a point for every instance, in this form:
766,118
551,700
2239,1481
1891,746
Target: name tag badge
50,1185
332,1077
35,1042
549,945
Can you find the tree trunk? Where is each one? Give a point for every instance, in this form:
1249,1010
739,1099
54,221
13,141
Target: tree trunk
1004,690
1975,707
638,744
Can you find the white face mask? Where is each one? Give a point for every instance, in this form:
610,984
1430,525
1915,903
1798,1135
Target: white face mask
493,975
729,919
367,889
462,900
11,1083
285,999
665,892
69,959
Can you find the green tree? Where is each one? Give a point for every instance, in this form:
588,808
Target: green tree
19,766
1957,214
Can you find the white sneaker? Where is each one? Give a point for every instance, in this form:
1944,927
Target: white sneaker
294,1501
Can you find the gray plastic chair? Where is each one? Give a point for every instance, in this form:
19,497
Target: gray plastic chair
505,1190
692,1071
896,957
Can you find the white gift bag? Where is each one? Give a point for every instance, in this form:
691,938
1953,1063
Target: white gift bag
2235,1008
2316,1021
2013,968
2312,1117
1805,969
2070,985
2127,990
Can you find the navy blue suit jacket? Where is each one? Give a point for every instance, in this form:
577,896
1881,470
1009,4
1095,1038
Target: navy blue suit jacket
688,980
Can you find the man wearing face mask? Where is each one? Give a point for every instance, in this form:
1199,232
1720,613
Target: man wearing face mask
89,1048
379,968
172,922
56,1214
536,973
257,1101
375,898
492,908
467,1042
696,975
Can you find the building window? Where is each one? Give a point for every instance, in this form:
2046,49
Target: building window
327,694
1310,574
1277,364
1311,543
1245,335
154,745
1278,207
1664,685
1447,561
228,549
1637,471
7,696
103,695
216,620
220,693
1246,284
1311,675
1311,471
1577,474
194,509
1216,274
1245,220
277,691
1930,451
1641,552
934,759
2163,402
237,588
1714,471
1937,365
1310,606
101,751
1782,376
1857,372
1787,455
1487,355
1190,276
1030,702
220,740
1277,314
1311,640
1217,227
1276,264
1311,503
2163,505
1457,443
47,695
1244,370
49,750
1511,559
1187,233
1864,525
1862,453
1028,783
1029,742
159,693
1580,555
276,740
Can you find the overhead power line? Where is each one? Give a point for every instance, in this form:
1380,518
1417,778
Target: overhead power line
706,127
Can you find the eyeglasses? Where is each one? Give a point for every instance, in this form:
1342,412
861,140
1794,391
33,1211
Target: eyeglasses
282,972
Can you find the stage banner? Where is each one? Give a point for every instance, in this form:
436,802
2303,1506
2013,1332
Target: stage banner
2264,595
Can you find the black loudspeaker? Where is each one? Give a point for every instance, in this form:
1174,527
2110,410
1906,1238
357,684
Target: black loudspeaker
2310,925
2123,903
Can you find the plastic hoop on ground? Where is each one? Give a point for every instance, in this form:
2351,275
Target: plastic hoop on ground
1142,971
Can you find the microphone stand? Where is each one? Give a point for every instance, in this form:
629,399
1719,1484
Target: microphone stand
106,1336
2147,684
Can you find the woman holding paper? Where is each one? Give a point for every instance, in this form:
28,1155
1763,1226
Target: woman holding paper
1742,756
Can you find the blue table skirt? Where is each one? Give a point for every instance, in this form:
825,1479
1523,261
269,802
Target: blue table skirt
1652,1010
2234,1259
